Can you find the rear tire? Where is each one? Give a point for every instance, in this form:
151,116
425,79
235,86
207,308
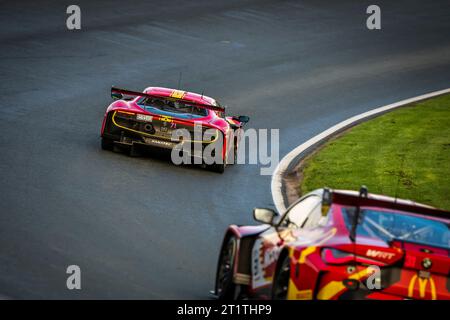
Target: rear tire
225,288
107,144
281,279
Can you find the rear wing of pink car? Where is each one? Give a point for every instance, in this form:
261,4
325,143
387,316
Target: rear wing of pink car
115,91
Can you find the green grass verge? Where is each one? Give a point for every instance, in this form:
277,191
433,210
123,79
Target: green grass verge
404,152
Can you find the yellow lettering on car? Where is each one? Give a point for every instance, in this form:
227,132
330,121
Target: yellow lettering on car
178,94
166,119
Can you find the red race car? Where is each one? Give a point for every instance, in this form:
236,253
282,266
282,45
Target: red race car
188,123
338,245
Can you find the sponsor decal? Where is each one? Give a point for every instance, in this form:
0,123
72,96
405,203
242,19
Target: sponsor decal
427,263
144,117
263,259
178,94
270,256
257,270
159,142
166,119
379,254
422,286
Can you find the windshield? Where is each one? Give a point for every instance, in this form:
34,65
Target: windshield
181,108
394,225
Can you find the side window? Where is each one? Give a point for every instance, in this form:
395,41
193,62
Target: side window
314,218
297,215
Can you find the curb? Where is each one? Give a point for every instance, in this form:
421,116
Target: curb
288,163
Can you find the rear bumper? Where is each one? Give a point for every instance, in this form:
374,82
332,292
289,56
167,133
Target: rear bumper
127,142
125,130
132,141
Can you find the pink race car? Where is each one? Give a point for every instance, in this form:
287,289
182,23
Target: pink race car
193,125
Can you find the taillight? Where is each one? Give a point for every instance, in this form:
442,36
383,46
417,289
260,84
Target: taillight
333,256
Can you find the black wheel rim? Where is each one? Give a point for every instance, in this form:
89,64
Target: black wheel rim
225,272
280,289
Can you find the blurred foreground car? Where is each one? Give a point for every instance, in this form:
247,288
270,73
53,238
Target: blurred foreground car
149,119
335,244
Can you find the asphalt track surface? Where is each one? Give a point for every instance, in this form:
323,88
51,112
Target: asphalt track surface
142,227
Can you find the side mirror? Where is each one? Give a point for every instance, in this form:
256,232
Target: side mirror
116,96
243,119
264,215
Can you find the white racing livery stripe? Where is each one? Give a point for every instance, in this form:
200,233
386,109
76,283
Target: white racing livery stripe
292,158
